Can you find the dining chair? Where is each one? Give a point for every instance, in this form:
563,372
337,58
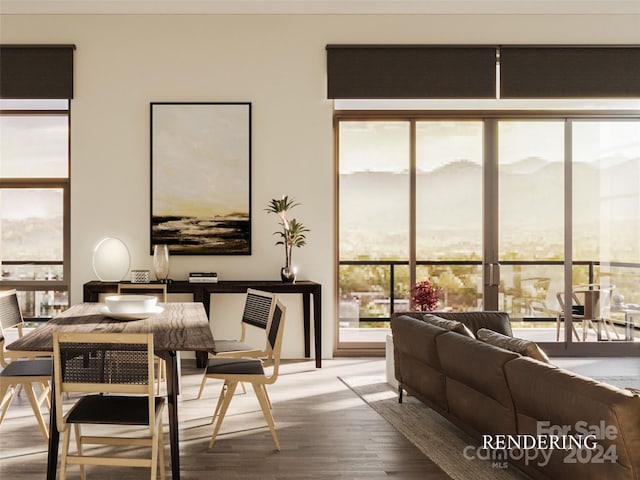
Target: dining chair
20,370
159,290
257,313
120,366
251,370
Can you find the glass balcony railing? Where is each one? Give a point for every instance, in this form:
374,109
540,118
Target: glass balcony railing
371,291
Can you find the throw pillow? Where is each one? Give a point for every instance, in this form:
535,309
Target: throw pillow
450,325
517,345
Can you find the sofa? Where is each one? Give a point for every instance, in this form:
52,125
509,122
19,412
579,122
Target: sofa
500,389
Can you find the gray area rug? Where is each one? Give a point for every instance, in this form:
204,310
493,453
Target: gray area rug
446,445
622,382
440,440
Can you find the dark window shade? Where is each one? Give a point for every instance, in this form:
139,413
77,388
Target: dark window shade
407,71
36,71
569,72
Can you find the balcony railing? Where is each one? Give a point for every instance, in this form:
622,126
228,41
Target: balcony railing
388,287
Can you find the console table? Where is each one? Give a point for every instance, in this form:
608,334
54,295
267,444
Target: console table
202,293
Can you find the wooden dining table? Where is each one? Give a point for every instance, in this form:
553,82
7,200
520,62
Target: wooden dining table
178,327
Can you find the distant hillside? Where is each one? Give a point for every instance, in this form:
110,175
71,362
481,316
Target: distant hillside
32,239
450,197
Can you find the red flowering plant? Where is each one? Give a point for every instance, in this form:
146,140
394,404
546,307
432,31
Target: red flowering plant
424,296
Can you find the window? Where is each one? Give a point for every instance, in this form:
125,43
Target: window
495,207
34,203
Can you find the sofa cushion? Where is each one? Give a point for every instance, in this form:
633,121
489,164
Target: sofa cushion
518,345
451,325
496,321
477,390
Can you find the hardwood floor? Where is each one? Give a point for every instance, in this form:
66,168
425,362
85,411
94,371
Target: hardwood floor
326,432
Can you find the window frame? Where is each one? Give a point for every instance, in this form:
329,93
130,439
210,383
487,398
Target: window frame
490,117
60,183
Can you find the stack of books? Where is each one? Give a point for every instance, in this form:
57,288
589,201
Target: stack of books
203,277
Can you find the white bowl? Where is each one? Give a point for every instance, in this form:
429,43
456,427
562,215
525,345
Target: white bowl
130,303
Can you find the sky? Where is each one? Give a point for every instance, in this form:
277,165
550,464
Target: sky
384,146
200,159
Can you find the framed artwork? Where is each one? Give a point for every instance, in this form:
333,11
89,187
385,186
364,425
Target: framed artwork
201,178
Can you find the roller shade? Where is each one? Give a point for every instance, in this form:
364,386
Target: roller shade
569,72
36,71
411,71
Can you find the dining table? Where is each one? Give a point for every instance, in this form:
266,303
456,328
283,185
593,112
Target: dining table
175,326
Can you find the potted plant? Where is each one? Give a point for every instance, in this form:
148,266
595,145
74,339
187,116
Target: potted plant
291,235
424,296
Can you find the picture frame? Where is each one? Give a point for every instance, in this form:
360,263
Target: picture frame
201,177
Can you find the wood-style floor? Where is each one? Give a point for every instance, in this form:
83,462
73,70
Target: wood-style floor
325,430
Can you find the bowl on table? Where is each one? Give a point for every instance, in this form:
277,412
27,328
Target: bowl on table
131,303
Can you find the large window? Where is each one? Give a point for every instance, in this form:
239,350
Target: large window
34,203
374,218
490,207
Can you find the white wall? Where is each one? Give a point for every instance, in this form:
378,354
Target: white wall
277,62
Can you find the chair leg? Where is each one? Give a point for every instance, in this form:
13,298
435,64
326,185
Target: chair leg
65,453
28,388
45,396
266,411
161,373
204,380
573,329
78,434
223,410
221,397
6,396
575,332
585,330
154,459
613,327
606,324
266,394
161,452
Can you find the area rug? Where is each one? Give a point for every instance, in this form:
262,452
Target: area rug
621,382
450,448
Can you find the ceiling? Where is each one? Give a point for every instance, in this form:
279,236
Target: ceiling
401,7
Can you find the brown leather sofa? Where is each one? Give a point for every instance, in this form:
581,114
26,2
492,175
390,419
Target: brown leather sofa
490,391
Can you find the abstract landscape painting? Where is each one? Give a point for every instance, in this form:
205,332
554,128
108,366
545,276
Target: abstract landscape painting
201,178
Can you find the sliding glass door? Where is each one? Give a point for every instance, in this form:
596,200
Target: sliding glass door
530,223
374,222
490,207
448,210
606,228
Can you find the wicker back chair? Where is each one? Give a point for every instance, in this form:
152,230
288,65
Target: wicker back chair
118,364
257,313
21,373
251,370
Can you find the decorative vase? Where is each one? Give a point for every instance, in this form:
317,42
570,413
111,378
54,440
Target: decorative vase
161,262
287,274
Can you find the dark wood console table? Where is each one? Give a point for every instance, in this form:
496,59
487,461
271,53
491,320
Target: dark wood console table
202,293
